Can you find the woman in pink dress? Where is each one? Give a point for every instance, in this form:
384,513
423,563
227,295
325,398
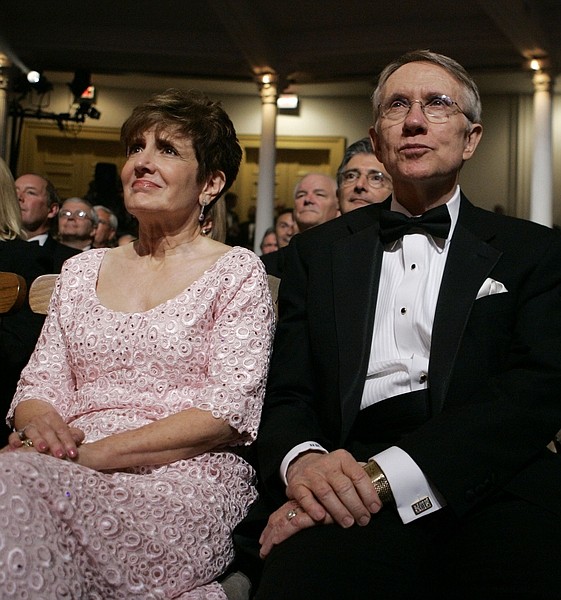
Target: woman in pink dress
122,478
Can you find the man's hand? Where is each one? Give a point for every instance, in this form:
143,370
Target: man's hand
332,486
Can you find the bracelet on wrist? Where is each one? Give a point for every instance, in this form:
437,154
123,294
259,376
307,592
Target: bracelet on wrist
380,482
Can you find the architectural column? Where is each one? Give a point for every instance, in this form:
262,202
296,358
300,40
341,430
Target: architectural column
541,198
5,65
265,208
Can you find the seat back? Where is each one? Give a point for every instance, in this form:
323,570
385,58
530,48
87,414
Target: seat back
40,293
12,292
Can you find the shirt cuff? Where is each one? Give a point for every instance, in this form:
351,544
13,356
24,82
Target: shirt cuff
414,495
294,453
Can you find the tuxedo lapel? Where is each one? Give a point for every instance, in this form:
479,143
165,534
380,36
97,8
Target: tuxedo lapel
357,260
470,260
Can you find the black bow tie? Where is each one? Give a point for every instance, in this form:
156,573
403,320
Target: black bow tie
394,225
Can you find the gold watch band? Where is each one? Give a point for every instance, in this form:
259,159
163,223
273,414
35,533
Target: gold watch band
379,481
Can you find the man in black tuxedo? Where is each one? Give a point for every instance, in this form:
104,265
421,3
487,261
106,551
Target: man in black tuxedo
315,202
39,204
416,379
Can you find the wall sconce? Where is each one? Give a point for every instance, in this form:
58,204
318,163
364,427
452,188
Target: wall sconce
287,101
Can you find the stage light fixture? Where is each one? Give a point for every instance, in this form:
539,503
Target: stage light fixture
80,83
33,77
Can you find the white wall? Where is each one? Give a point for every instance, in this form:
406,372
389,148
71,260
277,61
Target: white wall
491,177
348,117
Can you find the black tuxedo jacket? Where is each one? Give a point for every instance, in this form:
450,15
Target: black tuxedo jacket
495,363
58,253
274,262
18,331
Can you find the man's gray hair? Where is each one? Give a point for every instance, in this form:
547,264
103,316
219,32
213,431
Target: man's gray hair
471,101
362,146
113,221
93,214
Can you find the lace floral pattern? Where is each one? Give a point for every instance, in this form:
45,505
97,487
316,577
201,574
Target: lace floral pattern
67,531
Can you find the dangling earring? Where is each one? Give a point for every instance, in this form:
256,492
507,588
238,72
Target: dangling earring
202,214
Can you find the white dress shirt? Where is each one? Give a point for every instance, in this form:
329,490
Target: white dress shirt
41,238
410,279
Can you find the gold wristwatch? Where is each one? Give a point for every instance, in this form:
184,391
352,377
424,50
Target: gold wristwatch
379,481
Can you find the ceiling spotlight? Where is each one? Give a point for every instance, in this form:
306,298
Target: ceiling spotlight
33,76
36,81
266,78
535,64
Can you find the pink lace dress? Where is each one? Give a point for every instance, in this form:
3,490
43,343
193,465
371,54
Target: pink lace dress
67,531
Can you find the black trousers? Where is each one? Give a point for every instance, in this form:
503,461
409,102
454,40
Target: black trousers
506,549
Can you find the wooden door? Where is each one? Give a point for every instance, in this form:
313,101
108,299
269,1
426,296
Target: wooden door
68,161
295,157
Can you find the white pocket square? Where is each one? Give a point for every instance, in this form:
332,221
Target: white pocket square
490,287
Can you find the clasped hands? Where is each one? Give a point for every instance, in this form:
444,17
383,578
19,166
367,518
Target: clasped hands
322,489
49,434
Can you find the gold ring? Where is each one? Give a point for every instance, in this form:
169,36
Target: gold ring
291,514
27,443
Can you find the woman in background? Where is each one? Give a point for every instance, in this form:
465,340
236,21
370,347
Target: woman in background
18,331
149,372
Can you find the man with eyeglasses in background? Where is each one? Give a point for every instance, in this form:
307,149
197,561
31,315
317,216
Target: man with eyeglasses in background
77,224
107,224
361,178
415,379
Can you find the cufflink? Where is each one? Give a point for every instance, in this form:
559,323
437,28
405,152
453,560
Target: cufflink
421,505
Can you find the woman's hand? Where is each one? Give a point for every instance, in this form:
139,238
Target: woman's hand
46,432
289,519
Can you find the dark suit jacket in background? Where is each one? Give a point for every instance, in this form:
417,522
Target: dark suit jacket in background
58,253
20,330
274,262
495,364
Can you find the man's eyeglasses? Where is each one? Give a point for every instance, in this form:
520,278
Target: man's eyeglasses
437,109
375,179
77,214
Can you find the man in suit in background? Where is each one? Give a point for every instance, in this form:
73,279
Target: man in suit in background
39,204
285,226
315,202
415,379
77,224
361,178
107,225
